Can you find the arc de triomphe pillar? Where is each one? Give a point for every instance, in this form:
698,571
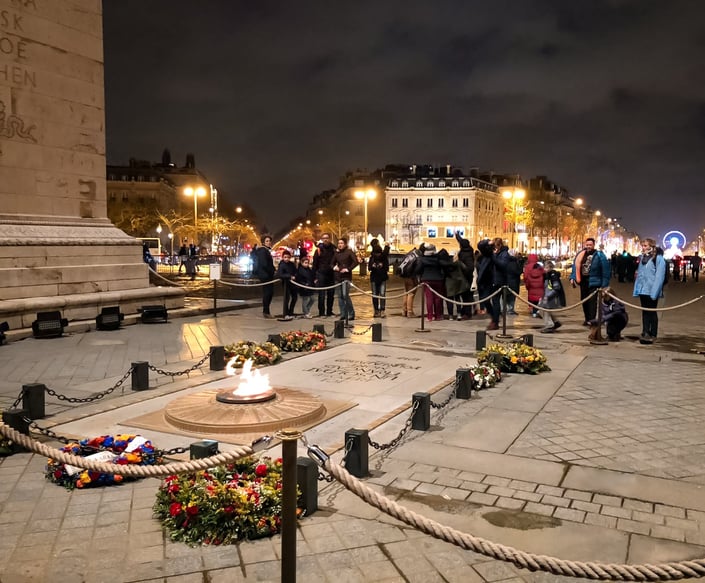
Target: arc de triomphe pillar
57,248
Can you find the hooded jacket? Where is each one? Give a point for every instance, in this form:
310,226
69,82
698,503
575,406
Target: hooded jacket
466,258
533,278
650,275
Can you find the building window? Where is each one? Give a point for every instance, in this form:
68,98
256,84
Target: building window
429,203
111,176
440,203
405,203
419,203
466,183
455,184
430,184
405,184
140,178
466,202
112,196
431,232
429,218
419,184
395,184
454,203
124,196
442,184
395,203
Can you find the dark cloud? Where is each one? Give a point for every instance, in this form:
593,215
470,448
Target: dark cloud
277,100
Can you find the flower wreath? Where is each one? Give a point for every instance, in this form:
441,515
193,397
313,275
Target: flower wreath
236,501
485,375
244,350
118,449
6,446
300,341
517,357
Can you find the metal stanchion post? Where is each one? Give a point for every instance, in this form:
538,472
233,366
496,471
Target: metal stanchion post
217,358
289,438
215,298
33,400
423,308
140,376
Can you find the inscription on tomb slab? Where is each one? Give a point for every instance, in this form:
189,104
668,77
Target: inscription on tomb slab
377,367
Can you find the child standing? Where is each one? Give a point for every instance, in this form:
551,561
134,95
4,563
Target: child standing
285,271
306,276
553,297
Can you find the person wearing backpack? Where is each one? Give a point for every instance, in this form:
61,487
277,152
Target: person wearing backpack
378,266
648,287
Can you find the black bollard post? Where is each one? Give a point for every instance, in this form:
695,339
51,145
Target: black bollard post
17,419
200,449
529,339
339,329
33,400
480,340
307,480
217,360
463,383
140,376
423,309
275,339
377,332
595,336
357,454
320,328
289,438
421,418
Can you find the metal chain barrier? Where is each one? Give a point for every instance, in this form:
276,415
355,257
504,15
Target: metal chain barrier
97,397
46,431
522,559
448,399
18,400
348,447
133,471
400,435
362,332
181,372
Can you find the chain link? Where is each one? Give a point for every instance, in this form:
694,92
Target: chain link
97,397
348,447
398,438
47,432
18,400
361,333
448,399
174,451
181,372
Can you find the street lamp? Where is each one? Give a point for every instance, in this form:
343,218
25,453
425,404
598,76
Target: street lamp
514,196
365,195
195,193
171,257
159,241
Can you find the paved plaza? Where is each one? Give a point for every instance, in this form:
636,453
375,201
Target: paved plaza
601,459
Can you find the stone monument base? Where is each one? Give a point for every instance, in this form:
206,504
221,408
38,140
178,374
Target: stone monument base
74,266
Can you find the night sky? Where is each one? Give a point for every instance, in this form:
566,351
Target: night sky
278,99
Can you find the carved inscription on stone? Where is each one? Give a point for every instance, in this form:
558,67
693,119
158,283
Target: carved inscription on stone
14,48
377,367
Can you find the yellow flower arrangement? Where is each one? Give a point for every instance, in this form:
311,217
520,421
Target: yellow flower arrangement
517,357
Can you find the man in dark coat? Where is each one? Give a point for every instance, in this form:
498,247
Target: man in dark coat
324,277
263,269
466,263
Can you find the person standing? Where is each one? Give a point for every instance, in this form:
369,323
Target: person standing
496,255
466,262
324,277
648,287
263,269
430,272
533,281
305,276
183,256
515,265
378,266
485,270
591,271
344,261
286,270
553,297
695,262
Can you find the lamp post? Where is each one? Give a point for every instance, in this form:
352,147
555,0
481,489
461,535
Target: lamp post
513,196
195,193
159,242
365,195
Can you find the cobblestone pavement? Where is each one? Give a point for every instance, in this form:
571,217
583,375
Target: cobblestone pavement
601,459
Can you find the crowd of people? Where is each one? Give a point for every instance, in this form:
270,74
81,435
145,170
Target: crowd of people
451,282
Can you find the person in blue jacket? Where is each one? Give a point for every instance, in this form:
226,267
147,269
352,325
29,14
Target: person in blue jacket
648,287
591,271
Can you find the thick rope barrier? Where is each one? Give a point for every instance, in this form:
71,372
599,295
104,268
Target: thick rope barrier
662,309
385,297
524,560
550,310
133,471
257,284
160,276
457,303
